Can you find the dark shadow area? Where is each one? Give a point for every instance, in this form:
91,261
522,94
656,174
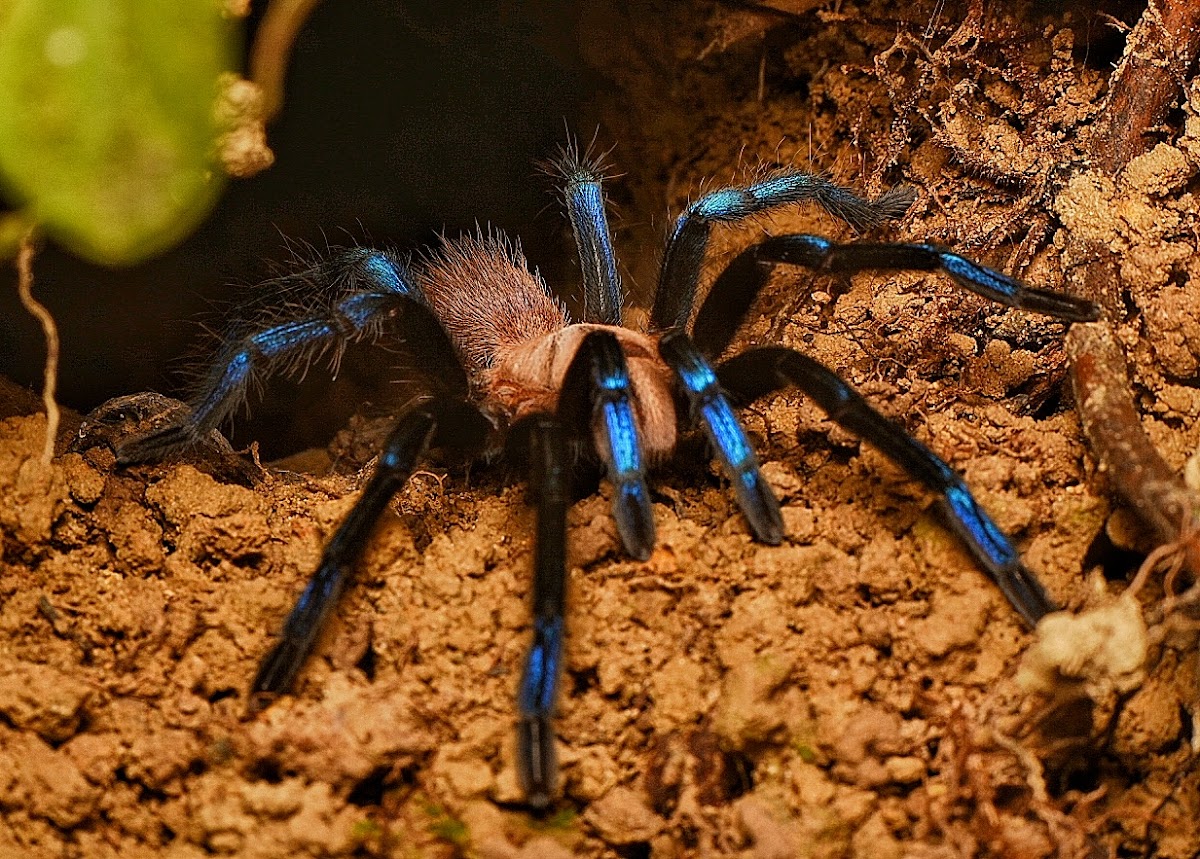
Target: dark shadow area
401,120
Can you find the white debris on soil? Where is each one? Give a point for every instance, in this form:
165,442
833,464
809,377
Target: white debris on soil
1098,651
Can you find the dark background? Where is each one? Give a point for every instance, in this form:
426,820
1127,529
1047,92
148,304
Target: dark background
401,120
405,118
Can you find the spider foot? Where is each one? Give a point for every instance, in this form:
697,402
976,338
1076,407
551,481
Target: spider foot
759,505
888,206
157,445
537,762
276,673
635,518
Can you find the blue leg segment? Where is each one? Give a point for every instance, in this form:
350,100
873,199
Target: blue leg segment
759,372
543,439
597,400
584,200
712,410
331,304
680,272
451,424
734,291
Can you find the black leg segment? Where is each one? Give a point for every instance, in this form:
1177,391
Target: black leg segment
711,409
684,256
596,400
448,423
348,298
543,440
735,289
583,195
761,371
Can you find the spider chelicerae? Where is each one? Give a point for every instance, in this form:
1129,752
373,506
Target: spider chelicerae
506,370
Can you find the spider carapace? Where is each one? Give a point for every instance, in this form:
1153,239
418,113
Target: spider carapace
508,369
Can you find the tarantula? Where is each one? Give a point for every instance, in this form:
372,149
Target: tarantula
508,371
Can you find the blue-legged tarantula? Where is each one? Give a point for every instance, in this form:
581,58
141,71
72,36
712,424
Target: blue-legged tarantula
509,370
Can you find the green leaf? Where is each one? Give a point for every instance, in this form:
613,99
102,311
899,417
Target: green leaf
107,132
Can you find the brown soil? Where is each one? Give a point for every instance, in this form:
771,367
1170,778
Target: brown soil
861,690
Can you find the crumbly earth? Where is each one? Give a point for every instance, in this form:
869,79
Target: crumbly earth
861,690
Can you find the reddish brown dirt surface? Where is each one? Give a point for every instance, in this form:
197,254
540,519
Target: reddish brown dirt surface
857,691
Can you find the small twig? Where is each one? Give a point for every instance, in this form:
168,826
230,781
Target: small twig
50,330
280,26
1105,402
1160,51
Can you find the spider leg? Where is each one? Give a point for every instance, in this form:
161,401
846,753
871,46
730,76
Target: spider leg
712,409
732,293
542,438
684,256
597,395
596,399
359,290
449,423
758,372
583,196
